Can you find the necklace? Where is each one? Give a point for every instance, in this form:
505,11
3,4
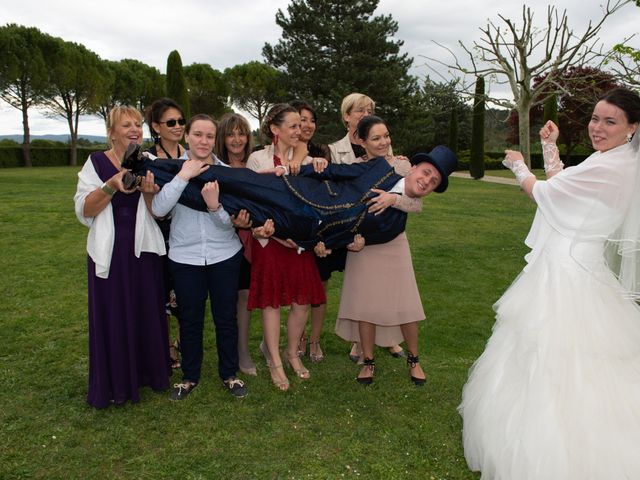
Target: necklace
167,153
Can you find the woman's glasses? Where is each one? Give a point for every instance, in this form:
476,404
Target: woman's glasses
172,123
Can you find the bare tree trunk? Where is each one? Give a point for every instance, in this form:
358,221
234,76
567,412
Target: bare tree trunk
523,135
26,139
73,154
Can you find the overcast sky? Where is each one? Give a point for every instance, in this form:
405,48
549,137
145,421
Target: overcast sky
227,33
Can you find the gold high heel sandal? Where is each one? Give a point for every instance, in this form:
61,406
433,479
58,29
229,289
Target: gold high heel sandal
302,345
315,357
301,372
282,385
265,353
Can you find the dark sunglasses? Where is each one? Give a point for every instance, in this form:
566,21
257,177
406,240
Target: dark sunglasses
172,123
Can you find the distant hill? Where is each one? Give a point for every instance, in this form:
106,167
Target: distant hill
57,138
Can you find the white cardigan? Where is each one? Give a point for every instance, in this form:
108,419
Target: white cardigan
148,237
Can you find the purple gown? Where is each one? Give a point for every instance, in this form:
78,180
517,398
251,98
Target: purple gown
128,338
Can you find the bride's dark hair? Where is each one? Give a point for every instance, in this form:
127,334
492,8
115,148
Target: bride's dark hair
626,100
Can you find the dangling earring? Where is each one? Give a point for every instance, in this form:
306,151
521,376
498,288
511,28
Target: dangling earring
629,137
275,140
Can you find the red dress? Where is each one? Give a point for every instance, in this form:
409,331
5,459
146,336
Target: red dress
282,276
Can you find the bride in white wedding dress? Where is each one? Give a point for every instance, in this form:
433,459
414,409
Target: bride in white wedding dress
556,393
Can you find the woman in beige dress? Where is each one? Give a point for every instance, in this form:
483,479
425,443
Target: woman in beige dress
380,303
347,150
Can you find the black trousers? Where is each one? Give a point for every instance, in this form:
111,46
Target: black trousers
193,284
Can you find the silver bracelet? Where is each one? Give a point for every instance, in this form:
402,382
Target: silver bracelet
107,189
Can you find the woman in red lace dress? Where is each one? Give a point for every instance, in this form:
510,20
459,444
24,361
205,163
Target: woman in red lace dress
280,273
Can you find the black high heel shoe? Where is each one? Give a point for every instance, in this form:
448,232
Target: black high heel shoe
371,365
412,361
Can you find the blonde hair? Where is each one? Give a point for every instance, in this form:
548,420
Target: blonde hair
118,113
356,100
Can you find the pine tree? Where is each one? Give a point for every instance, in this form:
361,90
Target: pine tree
476,160
331,48
177,83
24,73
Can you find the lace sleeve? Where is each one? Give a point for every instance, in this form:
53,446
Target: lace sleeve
408,204
551,156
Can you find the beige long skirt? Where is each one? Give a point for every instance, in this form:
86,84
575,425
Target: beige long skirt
379,287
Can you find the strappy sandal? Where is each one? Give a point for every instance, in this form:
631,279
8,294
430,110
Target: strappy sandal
174,350
302,345
412,361
355,354
302,373
265,353
282,385
315,357
396,353
370,364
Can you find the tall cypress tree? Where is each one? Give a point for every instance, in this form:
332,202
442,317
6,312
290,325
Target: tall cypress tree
177,83
476,161
330,48
453,130
550,109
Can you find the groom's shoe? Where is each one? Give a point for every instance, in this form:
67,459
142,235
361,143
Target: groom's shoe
133,158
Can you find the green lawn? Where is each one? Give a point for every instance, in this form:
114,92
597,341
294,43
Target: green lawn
467,248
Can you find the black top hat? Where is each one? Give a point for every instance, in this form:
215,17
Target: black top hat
443,159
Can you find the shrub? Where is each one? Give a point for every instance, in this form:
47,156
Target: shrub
41,156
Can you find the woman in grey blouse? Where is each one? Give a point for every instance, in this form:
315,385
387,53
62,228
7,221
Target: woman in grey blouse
204,259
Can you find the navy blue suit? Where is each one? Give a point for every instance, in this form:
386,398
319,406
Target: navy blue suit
310,207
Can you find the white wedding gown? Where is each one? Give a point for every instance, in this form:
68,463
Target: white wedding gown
556,393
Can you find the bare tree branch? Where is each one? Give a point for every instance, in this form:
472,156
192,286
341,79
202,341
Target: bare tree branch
503,53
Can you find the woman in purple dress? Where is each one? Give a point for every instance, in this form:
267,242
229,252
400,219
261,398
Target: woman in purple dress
128,339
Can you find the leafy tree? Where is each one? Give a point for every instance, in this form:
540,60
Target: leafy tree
427,120
581,87
208,90
130,82
79,81
624,60
330,48
24,76
515,54
255,87
177,83
476,160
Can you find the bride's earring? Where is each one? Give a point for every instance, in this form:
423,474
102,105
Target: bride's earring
629,137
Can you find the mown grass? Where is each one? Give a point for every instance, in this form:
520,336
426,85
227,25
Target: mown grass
467,248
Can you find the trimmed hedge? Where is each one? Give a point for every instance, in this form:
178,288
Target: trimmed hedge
493,160
59,157
42,156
